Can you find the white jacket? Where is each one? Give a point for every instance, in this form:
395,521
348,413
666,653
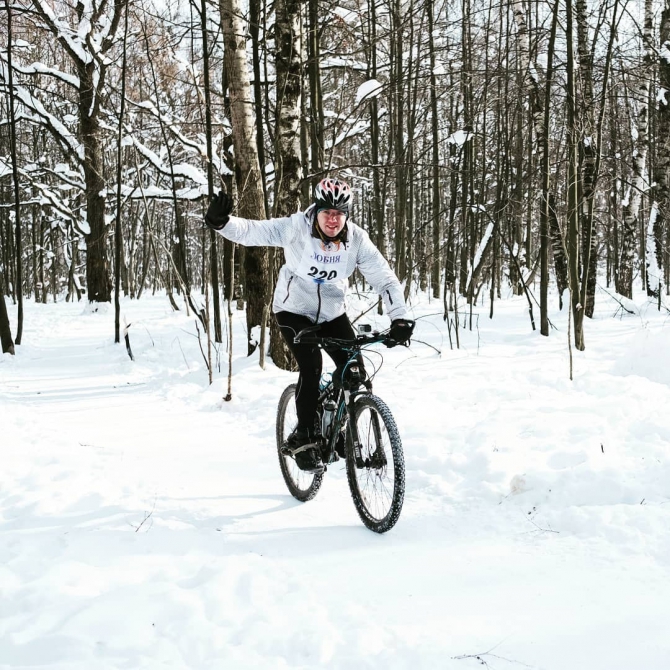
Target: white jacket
314,279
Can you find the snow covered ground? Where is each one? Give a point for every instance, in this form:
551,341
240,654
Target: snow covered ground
144,522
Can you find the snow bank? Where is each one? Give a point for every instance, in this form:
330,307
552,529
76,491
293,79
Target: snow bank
145,522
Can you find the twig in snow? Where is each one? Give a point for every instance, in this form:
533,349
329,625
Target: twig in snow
182,353
531,519
147,516
405,359
153,344
208,364
479,657
126,337
620,302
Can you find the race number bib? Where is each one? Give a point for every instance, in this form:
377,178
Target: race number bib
324,262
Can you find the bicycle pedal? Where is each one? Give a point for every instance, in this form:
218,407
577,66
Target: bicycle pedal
292,452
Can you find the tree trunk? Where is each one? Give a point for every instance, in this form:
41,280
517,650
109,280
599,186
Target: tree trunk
213,253
15,180
316,123
251,203
661,170
254,33
631,209
288,167
118,237
434,128
5,329
399,133
573,190
98,279
588,144
545,169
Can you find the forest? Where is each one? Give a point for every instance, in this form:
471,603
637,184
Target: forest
491,146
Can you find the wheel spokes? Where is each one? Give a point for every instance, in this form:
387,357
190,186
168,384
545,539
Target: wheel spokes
376,481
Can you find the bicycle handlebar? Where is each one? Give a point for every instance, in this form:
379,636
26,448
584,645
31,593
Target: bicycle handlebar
308,336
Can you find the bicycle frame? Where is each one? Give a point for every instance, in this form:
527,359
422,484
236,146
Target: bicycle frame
344,414
355,424
345,398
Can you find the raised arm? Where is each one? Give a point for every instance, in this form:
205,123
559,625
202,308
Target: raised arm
270,233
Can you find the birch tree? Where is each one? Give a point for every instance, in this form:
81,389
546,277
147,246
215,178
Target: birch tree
288,167
250,203
661,172
631,210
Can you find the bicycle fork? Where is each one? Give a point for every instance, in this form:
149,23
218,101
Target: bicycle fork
377,459
350,401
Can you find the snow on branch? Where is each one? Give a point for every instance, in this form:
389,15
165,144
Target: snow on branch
368,90
181,169
158,193
41,68
149,106
72,40
480,252
57,128
664,52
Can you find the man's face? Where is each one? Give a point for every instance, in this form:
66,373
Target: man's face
331,221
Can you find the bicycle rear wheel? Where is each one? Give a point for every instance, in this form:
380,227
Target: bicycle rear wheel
377,488
302,485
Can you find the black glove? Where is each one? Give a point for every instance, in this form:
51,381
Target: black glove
401,330
219,211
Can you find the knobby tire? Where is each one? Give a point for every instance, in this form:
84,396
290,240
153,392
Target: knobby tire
302,485
377,491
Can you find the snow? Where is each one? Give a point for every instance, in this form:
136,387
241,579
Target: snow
73,39
64,134
347,16
661,95
40,68
480,250
654,273
179,169
345,62
145,522
159,193
368,90
459,138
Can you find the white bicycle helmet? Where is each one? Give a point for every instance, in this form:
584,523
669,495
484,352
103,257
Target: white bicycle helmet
332,194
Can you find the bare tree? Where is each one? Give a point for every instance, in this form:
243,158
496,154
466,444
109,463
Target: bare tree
88,47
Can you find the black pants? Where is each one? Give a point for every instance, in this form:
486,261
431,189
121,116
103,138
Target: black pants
309,359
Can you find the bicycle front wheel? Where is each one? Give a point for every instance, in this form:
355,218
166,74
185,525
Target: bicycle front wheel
378,486
302,485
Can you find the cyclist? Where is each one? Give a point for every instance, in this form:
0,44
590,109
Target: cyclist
322,248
